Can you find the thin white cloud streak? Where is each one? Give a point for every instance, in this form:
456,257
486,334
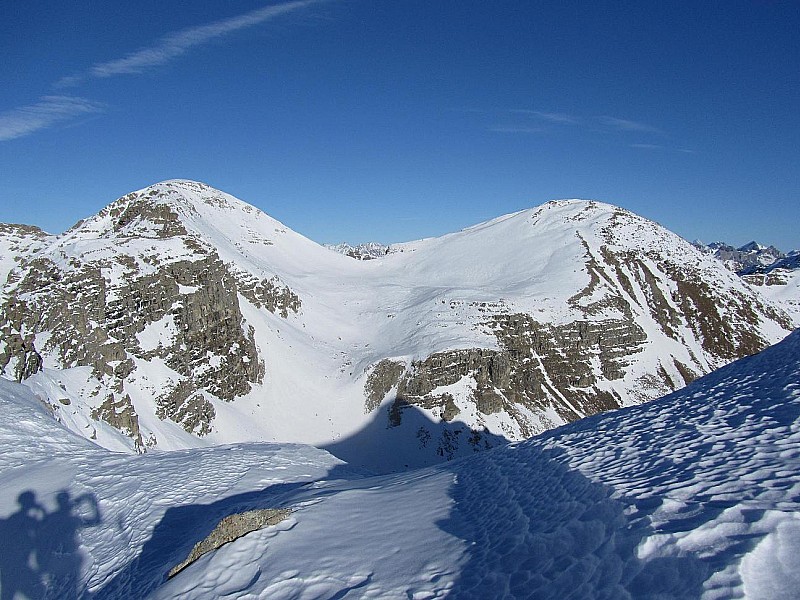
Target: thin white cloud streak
627,125
561,118
515,129
659,147
176,44
22,121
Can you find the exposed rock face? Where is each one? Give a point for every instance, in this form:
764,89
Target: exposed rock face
232,528
383,377
368,251
271,294
540,367
119,413
187,406
170,300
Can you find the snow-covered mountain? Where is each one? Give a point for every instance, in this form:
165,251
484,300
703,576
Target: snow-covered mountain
744,258
771,272
366,251
780,282
184,317
695,495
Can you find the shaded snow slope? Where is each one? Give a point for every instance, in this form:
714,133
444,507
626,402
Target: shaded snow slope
184,317
696,495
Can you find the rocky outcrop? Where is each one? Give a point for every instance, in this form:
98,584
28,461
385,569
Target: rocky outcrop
185,404
540,367
272,294
384,376
141,216
232,528
119,412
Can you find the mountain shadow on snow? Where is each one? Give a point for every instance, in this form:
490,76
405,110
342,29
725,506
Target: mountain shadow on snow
389,444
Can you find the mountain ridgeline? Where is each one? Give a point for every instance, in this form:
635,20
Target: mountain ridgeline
180,316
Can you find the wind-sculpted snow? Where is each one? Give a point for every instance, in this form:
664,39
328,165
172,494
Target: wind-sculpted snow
695,495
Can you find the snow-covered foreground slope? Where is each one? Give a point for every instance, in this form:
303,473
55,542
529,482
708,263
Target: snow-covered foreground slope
696,495
180,316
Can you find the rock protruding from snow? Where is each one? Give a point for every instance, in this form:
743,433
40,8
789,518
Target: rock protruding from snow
232,528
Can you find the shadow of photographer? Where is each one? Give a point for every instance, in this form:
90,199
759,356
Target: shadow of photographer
39,557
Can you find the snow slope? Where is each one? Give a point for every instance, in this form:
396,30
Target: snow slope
780,282
783,288
695,495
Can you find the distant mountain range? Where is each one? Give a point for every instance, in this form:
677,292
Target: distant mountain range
774,274
180,316
367,251
745,259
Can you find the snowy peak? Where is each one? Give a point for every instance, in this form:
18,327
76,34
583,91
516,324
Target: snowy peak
167,209
752,247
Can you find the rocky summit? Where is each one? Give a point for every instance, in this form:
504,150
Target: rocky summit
181,316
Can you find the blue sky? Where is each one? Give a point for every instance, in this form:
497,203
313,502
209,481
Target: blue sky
380,120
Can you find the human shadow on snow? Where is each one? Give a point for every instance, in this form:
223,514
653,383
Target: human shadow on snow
39,555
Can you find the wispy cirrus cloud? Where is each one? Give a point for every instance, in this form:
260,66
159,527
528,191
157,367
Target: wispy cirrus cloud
540,122
24,120
550,117
50,110
502,129
628,125
660,147
176,44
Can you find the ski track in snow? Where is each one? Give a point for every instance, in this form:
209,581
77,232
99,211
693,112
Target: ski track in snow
695,495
